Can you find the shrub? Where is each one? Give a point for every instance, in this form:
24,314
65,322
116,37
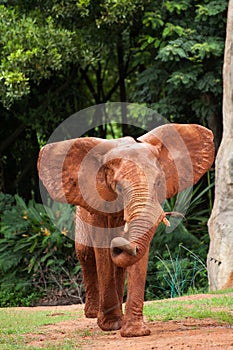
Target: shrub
36,258
177,255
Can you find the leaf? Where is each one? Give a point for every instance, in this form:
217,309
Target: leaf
212,8
50,262
175,6
34,215
21,202
172,29
171,52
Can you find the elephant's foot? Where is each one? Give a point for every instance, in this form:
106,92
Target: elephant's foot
91,310
134,328
110,323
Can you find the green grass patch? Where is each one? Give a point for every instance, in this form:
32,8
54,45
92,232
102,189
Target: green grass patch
15,323
219,308
222,291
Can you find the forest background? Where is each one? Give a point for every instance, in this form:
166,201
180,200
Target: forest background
59,57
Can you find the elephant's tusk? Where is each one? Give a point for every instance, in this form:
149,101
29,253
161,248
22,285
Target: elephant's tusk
165,221
175,214
122,244
126,228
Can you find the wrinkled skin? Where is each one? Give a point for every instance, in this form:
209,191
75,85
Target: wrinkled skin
118,187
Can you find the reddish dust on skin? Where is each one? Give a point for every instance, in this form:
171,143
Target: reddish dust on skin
83,333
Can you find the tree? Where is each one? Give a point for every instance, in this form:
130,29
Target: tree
61,57
220,257
58,59
181,56
33,51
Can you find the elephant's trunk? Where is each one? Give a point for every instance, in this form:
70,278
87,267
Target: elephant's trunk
142,214
120,244
126,252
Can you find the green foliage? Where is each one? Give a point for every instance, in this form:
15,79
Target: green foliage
181,273
18,296
213,8
61,57
31,51
115,11
177,255
183,58
6,202
36,256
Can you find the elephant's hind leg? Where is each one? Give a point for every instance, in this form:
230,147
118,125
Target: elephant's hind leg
86,257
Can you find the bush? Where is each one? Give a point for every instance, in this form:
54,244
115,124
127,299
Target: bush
36,258
177,258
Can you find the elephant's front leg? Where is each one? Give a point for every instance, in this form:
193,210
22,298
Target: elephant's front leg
111,280
133,325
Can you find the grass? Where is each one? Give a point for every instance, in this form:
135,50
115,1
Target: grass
17,324
219,308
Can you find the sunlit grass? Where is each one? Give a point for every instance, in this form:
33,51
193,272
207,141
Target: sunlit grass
219,308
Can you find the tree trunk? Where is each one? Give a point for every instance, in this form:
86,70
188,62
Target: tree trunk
220,256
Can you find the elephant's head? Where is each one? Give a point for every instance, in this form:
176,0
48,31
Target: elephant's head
126,178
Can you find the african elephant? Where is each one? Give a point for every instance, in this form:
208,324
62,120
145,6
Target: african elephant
118,186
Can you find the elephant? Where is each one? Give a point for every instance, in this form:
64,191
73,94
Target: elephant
117,187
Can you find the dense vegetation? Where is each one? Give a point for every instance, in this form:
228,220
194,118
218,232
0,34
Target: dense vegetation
59,57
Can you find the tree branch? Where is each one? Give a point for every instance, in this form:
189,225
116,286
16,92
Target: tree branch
89,84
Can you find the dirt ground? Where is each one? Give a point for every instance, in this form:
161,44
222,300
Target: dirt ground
188,334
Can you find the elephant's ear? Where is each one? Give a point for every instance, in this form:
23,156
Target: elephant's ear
185,153
72,171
